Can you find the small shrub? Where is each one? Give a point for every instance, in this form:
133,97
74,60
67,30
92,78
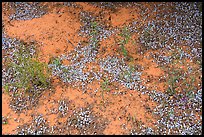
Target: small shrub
29,74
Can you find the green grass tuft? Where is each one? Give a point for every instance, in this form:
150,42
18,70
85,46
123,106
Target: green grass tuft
29,73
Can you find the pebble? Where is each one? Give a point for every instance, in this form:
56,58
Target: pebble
26,11
37,127
183,28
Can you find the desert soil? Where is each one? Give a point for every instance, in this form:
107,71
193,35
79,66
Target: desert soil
120,110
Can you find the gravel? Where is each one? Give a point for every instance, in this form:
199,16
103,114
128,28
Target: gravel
27,11
38,126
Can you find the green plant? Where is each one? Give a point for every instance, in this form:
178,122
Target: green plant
125,34
6,87
105,86
131,70
172,86
29,73
170,113
127,74
124,51
178,81
134,118
94,34
173,78
56,61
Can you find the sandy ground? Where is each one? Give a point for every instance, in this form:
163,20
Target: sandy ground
51,31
